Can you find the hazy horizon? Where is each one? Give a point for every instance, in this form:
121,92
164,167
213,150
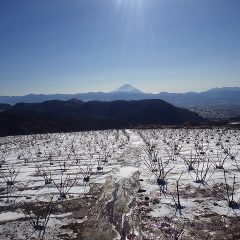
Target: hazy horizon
112,90
78,46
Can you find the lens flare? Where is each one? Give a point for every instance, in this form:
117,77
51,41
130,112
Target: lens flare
132,12
134,21
130,4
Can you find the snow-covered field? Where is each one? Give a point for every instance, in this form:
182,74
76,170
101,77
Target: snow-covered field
126,184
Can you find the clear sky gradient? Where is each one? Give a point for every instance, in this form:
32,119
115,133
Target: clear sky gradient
71,46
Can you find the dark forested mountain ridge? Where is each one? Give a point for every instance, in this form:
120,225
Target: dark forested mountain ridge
75,115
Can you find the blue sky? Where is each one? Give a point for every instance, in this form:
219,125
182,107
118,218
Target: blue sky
56,46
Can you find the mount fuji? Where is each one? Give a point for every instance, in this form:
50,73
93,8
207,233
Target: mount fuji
127,88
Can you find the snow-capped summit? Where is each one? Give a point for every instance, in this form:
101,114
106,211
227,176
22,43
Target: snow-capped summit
127,88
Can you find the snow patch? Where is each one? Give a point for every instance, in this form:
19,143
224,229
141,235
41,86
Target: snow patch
10,216
126,172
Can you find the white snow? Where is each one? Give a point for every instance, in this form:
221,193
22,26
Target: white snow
82,153
126,172
10,216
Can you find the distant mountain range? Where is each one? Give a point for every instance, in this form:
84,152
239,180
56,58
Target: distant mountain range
75,115
216,96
